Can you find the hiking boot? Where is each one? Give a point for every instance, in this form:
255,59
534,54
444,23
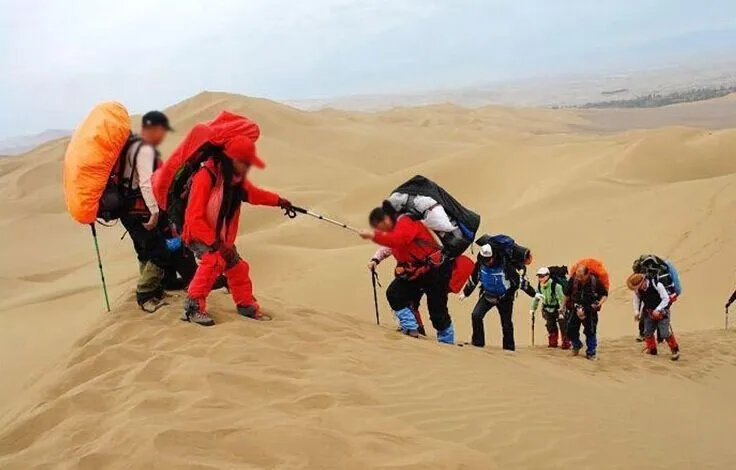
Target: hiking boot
421,330
566,344
193,313
253,312
591,356
412,333
675,353
575,351
151,305
639,339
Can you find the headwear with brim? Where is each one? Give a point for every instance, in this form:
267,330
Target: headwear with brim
244,149
635,281
486,251
543,271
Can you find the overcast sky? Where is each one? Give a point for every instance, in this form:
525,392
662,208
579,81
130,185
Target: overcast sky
59,57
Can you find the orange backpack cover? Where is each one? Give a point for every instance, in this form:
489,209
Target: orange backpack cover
90,157
596,267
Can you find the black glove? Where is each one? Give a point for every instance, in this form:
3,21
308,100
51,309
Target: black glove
288,208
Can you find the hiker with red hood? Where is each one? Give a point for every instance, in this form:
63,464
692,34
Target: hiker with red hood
211,223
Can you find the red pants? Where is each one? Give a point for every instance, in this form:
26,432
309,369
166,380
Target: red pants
211,265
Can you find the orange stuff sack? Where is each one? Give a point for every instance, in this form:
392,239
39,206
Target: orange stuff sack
91,156
596,267
464,267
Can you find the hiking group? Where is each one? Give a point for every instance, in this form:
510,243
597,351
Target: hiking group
183,217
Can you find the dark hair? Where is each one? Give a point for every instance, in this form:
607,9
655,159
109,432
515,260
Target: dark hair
388,209
231,195
377,215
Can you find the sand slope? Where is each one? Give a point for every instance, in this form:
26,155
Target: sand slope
321,387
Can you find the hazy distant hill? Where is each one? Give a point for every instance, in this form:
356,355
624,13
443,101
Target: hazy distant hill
21,144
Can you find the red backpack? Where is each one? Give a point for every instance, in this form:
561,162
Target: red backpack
171,182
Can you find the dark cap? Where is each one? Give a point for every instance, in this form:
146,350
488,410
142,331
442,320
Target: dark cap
156,118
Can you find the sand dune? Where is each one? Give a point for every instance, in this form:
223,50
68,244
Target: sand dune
321,386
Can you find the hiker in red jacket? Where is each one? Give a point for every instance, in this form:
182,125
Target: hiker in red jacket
420,270
211,225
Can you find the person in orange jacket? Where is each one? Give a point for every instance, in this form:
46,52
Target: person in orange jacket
211,224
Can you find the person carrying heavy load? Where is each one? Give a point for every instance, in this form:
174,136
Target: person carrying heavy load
551,295
585,295
652,302
421,270
665,273
204,182
499,281
424,200
142,218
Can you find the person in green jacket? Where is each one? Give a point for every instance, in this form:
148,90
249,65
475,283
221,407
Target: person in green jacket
550,293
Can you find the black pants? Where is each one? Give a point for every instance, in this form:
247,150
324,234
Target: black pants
179,270
505,307
434,284
150,245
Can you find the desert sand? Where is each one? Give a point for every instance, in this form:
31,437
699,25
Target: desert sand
323,387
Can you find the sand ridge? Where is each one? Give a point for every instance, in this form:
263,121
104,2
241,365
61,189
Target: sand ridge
321,387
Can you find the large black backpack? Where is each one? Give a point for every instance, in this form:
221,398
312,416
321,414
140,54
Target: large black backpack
657,268
468,221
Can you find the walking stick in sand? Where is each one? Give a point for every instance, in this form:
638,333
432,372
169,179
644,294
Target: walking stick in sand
534,316
726,318
301,210
99,264
374,279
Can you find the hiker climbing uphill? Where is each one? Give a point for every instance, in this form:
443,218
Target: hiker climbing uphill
216,158
498,282
383,253
551,296
585,295
421,270
141,217
651,301
665,273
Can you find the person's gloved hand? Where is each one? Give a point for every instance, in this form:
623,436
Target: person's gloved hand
657,315
596,306
372,265
284,204
152,222
173,244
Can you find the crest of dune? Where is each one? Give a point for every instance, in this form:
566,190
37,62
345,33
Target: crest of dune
323,387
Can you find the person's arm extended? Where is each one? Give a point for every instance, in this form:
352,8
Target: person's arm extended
472,281
381,254
560,295
260,197
402,235
636,304
664,296
196,212
144,164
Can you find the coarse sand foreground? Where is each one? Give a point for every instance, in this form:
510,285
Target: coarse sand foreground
321,386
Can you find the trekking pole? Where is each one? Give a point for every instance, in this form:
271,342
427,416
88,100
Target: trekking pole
534,317
326,219
726,318
374,279
99,264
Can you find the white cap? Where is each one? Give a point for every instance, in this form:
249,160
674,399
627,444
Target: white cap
543,271
486,251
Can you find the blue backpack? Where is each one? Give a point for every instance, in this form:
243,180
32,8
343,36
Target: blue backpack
493,280
675,277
